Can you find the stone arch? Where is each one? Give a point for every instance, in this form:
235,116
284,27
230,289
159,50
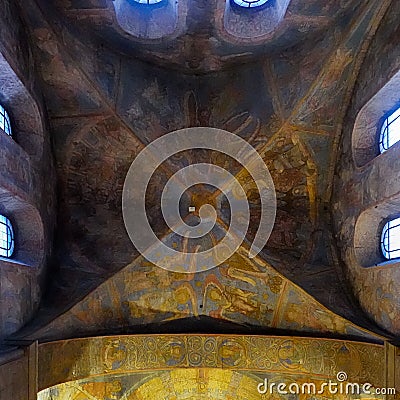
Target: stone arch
148,22
366,132
25,117
367,233
250,25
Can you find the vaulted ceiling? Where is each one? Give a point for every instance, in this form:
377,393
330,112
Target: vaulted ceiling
109,94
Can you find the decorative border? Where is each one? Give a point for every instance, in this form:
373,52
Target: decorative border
88,357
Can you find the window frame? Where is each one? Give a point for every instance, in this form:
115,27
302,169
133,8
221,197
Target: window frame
384,125
148,3
5,121
385,233
235,4
10,232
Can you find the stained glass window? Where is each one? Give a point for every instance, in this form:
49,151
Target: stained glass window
250,3
6,237
5,124
390,131
390,240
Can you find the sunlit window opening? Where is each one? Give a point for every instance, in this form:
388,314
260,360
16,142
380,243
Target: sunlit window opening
5,123
148,1
390,240
390,131
6,237
250,3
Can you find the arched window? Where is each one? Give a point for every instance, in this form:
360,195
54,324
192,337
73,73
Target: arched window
5,123
252,21
390,239
149,19
148,1
250,3
6,237
390,131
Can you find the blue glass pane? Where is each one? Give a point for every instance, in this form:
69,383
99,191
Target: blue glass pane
6,237
390,131
250,3
390,239
5,124
148,1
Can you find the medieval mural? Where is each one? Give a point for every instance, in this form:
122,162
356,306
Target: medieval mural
201,367
293,94
122,104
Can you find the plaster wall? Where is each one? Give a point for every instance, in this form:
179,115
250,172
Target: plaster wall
14,380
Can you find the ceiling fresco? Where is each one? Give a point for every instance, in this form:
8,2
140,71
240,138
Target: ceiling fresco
240,290
106,106
201,367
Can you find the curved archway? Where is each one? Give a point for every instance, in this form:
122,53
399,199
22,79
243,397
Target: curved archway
23,110
277,357
147,19
249,20
366,131
368,231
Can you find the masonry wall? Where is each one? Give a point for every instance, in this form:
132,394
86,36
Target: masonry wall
371,186
27,180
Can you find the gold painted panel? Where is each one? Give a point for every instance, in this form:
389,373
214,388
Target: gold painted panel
84,358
